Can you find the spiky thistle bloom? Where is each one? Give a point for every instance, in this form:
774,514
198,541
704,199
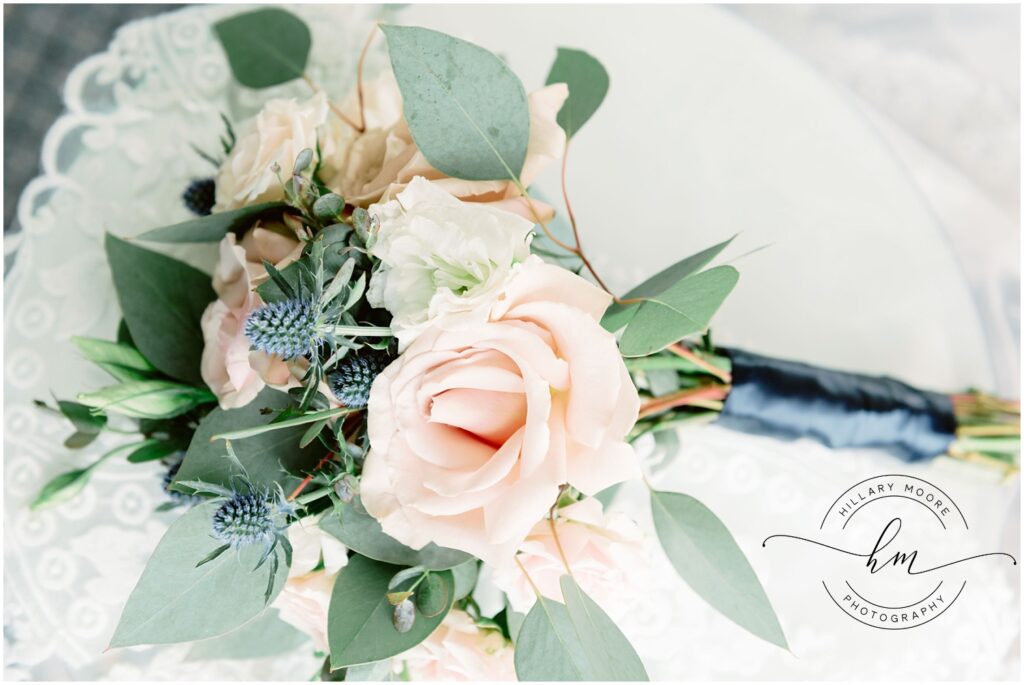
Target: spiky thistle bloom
246,519
355,375
175,496
200,196
286,329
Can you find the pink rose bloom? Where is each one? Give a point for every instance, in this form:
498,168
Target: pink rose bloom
473,430
459,650
234,374
306,596
607,554
378,163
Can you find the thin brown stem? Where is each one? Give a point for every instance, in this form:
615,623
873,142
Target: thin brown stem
309,479
692,357
529,580
683,398
334,108
558,542
359,77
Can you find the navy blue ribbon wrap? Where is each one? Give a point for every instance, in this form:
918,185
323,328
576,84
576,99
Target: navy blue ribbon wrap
837,408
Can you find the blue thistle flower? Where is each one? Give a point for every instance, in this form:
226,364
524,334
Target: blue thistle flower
178,498
287,329
355,375
200,196
245,519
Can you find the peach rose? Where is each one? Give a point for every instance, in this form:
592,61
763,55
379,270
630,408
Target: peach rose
381,161
607,554
472,431
459,650
306,595
234,374
281,130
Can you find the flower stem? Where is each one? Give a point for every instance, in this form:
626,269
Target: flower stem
362,331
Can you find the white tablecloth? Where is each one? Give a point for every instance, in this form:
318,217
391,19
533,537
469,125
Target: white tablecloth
710,128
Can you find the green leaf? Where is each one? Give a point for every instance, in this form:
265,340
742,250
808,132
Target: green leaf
120,360
547,646
61,488
153,450
465,578
434,595
684,309
466,110
213,227
607,650
174,601
618,315
267,635
270,291
359,627
265,47
87,424
707,557
588,84
147,399
162,300
267,458
361,532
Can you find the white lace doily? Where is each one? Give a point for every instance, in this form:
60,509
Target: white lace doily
118,160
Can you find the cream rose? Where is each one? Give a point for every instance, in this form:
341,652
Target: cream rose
459,650
443,262
281,130
379,162
306,595
607,554
472,431
234,374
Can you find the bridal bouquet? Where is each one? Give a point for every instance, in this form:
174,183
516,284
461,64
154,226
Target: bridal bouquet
395,415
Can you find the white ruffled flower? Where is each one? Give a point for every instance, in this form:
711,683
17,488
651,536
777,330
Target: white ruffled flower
443,261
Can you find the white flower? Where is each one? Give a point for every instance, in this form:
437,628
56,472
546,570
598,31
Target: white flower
281,130
444,262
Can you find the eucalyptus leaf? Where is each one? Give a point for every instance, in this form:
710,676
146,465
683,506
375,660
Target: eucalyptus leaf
608,652
163,301
152,399
547,646
267,458
588,84
266,635
362,533
465,578
707,557
359,619
466,110
681,310
212,227
265,47
434,595
618,315
174,601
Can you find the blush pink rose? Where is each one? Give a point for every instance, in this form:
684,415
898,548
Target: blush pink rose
377,164
473,430
459,650
608,555
234,373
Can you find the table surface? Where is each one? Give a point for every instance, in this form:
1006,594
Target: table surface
869,269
